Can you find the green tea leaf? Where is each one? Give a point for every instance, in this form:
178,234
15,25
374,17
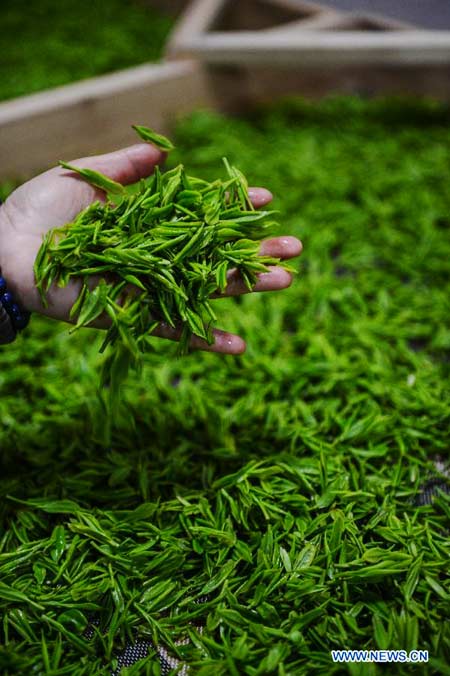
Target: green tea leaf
94,304
96,179
152,137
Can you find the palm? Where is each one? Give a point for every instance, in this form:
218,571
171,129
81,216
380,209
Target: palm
46,202
50,200
57,196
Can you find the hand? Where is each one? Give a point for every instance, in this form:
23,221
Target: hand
56,197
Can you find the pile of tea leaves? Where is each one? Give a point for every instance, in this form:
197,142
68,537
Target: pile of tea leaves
274,499
174,240
48,43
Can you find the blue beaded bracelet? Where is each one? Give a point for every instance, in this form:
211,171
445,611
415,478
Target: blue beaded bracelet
19,318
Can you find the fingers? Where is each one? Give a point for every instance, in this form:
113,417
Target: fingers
259,197
127,165
281,247
276,279
224,342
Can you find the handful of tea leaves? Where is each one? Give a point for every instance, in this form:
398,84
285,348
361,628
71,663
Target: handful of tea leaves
160,252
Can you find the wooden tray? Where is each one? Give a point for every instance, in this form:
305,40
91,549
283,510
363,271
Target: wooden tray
95,115
297,33
258,50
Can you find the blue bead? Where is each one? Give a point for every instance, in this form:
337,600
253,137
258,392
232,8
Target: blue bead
6,299
20,317
22,322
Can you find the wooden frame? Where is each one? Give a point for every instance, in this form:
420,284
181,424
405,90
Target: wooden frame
314,50
96,115
320,48
315,41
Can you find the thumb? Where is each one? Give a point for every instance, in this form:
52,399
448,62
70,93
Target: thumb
127,165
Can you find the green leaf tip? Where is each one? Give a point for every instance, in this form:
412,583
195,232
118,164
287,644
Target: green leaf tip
150,136
96,179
